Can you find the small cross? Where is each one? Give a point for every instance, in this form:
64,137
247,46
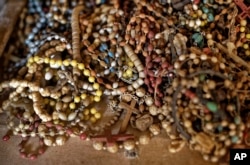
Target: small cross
130,109
245,10
110,139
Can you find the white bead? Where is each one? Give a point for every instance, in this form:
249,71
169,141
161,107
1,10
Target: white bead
195,7
149,101
72,116
191,23
198,22
48,75
115,85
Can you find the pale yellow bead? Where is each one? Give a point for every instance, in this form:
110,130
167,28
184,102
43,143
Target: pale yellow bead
59,62
80,66
93,111
99,93
31,60
129,72
96,86
97,98
72,105
130,64
92,119
77,99
86,72
52,61
248,36
46,60
36,59
86,112
97,115
91,79
73,63
242,29
66,62
247,53
83,96
124,75
245,46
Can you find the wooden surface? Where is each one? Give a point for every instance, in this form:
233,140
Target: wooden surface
8,15
77,152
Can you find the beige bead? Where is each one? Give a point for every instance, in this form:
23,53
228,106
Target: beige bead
113,148
140,92
153,110
62,116
144,139
98,145
129,144
149,101
155,129
72,116
48,141
60,140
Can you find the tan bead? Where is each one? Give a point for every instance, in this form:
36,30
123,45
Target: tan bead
144,139
129,144
153,110
98,145
140,92
155,129
113,148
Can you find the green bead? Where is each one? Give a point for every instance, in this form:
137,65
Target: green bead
234,139
205,9
210,17
212,106
202,77
197,37
237,120
220,128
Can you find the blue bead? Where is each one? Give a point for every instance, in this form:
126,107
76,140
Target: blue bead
111,54
103,47
112,69
106,60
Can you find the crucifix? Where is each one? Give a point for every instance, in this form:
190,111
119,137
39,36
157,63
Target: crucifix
110,139
245,9
130,109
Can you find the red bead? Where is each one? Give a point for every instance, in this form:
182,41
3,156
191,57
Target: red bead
69,131
33,157
41,150
83,136
49,124
6,137
196,2
23,155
